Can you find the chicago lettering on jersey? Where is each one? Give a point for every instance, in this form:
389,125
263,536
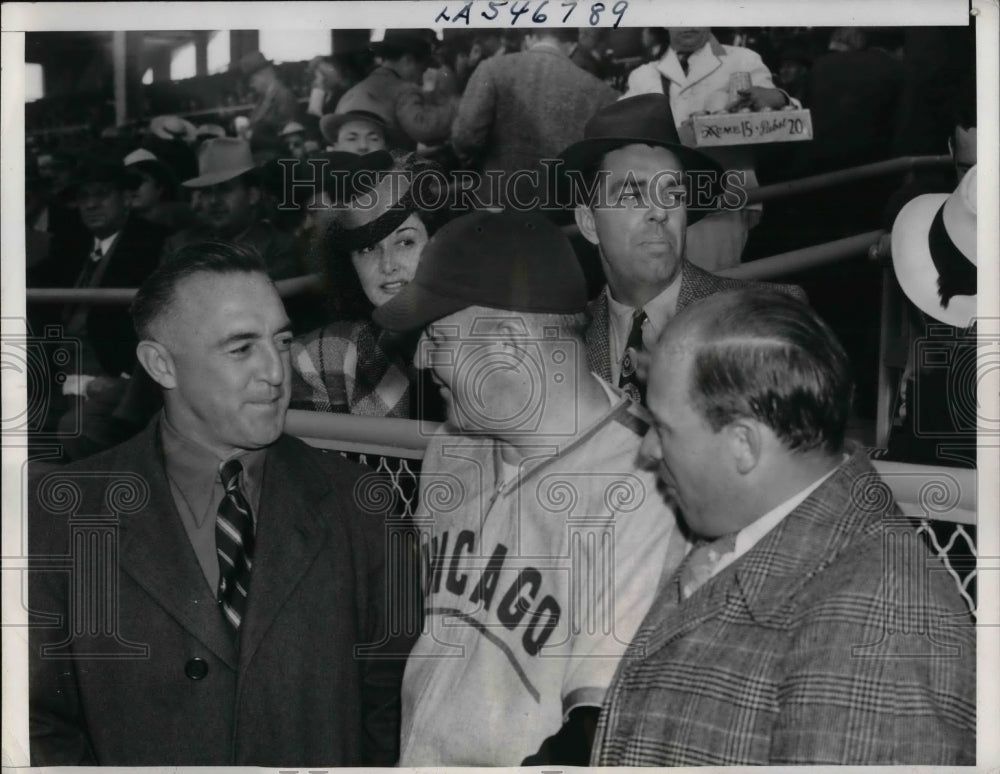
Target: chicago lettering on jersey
519,605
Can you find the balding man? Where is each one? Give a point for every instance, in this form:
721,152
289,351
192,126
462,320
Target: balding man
787,636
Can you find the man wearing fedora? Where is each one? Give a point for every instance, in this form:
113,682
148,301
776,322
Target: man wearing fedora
395,86
544,542
228,201
694,73
637,210
362,127
276,104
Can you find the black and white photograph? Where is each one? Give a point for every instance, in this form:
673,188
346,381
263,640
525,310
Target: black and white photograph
500,384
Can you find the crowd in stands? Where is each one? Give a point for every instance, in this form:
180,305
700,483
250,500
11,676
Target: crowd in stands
482,101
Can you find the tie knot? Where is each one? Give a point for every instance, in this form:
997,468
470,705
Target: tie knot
97,254
230,473
638,316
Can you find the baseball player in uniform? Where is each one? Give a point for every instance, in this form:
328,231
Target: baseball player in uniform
542,541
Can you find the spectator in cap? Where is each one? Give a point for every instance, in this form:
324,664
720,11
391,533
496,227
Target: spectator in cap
521,108
532,440
694,73
395,85
276,104
293,135
646,189
780,641
228,207
362,129
370,251
588,53
118,250
153,189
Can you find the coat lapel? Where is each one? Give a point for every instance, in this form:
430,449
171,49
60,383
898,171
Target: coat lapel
290,534
157,554
702,63
598,337
763,581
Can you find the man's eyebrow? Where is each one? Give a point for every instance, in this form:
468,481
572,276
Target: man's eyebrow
238,336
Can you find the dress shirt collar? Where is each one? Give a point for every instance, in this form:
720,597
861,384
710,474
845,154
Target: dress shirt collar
104,245
552,48
752,534
194,470
659,311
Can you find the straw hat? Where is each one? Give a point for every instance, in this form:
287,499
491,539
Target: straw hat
221,159
173,128
934,253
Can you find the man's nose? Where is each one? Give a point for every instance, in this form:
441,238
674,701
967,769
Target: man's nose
274,365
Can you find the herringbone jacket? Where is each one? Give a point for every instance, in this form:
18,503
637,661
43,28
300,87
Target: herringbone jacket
696,284
836,639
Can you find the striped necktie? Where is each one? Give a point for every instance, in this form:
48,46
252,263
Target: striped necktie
629,379
234,544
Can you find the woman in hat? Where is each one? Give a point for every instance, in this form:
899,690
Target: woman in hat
372,250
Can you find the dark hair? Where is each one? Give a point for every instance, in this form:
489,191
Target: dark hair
346,298
767,356
156,294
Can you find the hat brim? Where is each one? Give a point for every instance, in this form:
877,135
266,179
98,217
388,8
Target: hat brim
914,266
414,307
584,155
214,178
331,123
158,128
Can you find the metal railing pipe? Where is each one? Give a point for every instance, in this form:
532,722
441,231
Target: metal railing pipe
800,260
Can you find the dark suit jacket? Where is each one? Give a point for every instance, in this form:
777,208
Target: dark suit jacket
175,689
837,639
133,257
696,284
276,248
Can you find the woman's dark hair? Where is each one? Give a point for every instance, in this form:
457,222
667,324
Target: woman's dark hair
346,298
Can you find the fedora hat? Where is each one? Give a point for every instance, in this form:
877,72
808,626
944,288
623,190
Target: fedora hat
221,159
934,253
420,42
100,168
517,261
252,63
645,119
173,128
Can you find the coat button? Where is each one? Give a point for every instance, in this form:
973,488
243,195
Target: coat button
196,668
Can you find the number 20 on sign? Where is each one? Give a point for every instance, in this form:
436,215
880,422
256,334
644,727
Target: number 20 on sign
535,12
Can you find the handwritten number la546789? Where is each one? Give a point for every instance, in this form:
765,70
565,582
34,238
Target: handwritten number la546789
534,12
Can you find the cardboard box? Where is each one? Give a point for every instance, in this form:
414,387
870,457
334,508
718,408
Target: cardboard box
718,129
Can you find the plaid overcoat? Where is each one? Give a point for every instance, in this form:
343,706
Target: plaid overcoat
836,639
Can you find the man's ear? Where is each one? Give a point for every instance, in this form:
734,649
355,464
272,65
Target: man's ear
745,444
253,193
158,362
585,221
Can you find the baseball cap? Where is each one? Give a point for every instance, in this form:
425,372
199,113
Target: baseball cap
520,262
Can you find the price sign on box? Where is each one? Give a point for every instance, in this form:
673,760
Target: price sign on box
752,128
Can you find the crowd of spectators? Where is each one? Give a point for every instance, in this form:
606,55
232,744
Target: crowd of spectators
480,101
